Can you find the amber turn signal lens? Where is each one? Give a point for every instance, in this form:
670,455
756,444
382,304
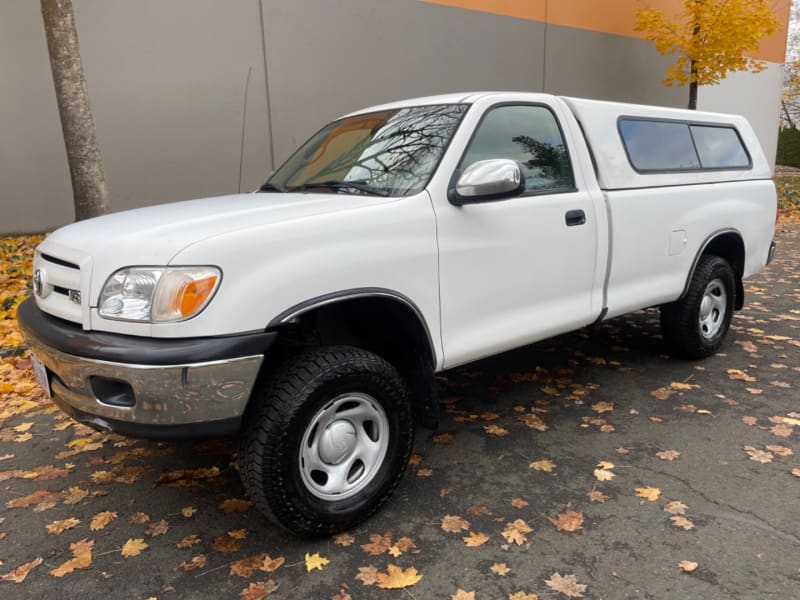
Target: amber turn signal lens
193,295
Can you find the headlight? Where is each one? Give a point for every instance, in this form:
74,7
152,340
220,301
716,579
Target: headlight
158,294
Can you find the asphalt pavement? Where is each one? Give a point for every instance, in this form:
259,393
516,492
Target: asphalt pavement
593,456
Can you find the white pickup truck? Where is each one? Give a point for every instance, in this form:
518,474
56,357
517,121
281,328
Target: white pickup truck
399,241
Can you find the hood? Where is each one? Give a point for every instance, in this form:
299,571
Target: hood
155,234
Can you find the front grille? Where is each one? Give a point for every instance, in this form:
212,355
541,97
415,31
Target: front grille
57,285
58,261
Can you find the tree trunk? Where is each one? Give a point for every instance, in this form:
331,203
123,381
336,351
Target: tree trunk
787,117
693,89
85,163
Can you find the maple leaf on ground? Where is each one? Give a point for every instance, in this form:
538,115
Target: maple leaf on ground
315,561
604,474
796,472
518,503
158,528
197,562
687,566
760,456
245,567
454,524
258,590
566,584
662,393
462,595
187,477
569,521
139,518
188,511
478,510
596,496
59,527
533,421
344,539
495,430
235,505
343,593
367,575
36,498
515,532
668,454
443,438
102,477
500,569
739,375
682,522
782,430
749,421
225,544
19,574
81,558
271,565
605,465
101,520
396,578
75,495
238,534
675,507
523,596
378,543
134,547
779,450
424,472
543,465
473,540
603,407
405,544
648,493
188,541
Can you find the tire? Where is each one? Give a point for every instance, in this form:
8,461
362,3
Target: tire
696,325
327,441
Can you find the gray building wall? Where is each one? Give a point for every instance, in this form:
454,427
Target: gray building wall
167,83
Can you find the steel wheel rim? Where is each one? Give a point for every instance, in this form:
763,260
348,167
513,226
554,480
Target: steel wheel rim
713,309
344,446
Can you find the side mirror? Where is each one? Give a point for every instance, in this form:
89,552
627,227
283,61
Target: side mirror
492,179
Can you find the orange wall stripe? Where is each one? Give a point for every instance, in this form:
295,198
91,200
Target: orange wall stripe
609,16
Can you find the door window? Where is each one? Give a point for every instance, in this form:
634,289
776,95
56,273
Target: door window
531,136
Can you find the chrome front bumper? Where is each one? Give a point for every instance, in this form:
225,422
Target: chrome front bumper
197,388
160,394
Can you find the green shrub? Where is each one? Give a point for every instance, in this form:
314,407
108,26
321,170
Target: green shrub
788,147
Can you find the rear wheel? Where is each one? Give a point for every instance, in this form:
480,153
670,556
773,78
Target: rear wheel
696,325
328,441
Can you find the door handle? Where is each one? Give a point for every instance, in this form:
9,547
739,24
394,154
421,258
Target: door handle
575,217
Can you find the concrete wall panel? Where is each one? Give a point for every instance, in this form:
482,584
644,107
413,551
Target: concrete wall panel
328,57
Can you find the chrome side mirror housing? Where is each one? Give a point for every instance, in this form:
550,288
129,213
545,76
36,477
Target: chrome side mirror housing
484,180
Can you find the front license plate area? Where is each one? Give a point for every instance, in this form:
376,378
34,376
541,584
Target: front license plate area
40,371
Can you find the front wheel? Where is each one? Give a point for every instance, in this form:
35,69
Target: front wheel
696,325
328,441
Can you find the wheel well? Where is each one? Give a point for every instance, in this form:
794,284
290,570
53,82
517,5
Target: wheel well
383,325
729,246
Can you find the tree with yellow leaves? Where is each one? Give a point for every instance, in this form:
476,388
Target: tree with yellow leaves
710,38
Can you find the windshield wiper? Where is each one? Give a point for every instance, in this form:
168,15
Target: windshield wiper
272,187
340,185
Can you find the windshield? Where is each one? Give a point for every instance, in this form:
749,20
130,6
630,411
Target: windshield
387,153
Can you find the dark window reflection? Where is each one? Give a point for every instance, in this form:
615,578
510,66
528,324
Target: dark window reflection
659,145
393,152
719,147
529,135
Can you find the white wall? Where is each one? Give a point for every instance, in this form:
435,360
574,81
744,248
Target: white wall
757,96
